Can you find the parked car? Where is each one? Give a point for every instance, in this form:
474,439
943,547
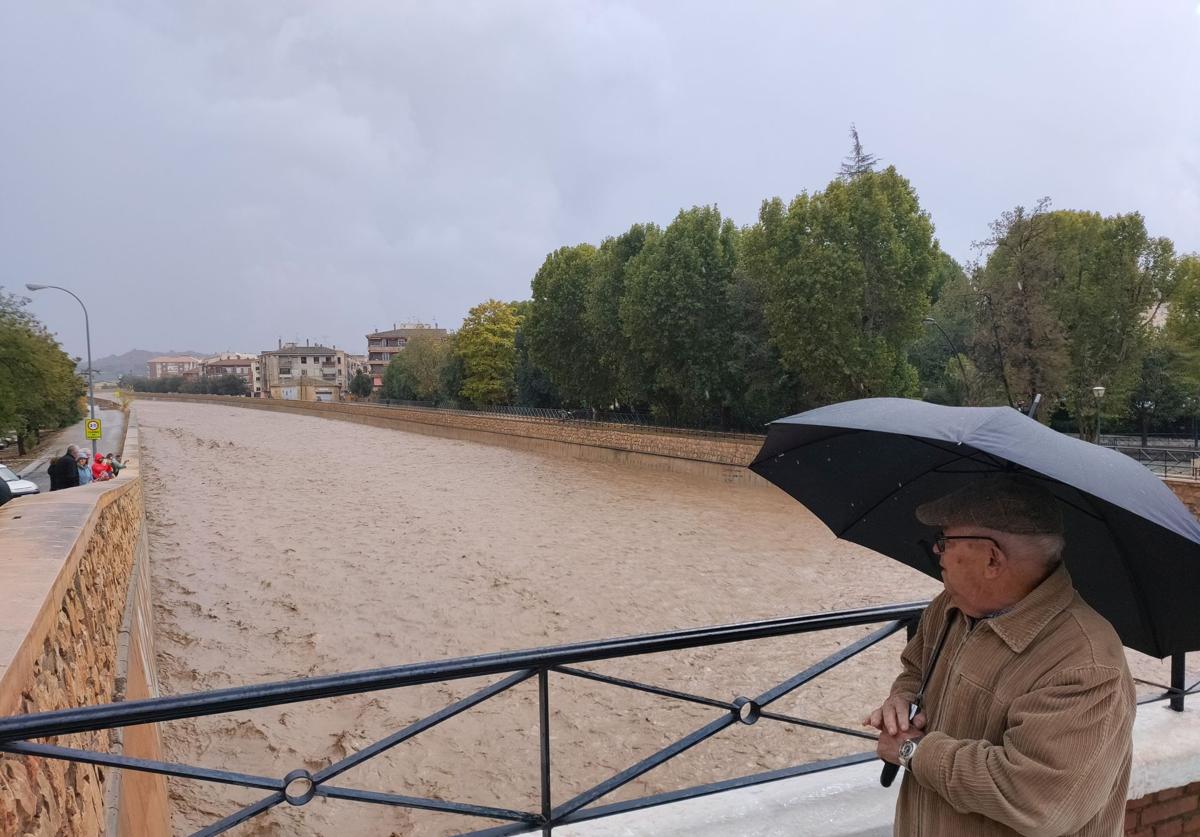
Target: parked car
16,485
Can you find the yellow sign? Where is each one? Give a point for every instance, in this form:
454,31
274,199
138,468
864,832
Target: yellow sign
91,429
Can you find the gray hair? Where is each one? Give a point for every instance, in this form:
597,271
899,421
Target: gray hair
1045,548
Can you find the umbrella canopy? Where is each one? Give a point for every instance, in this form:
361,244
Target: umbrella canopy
1133,549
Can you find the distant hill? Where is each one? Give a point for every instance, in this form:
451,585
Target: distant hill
131,363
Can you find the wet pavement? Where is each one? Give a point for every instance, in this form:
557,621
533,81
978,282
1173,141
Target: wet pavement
112,427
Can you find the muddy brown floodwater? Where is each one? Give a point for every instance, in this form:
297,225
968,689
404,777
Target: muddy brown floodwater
286,546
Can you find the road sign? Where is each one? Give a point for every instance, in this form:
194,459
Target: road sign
91,429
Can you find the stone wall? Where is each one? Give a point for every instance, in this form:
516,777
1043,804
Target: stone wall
1188,491
65,639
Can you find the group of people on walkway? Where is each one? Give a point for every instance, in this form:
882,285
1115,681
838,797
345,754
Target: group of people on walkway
73,468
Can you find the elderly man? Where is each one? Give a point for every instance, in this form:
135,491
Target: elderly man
64,470
1027,712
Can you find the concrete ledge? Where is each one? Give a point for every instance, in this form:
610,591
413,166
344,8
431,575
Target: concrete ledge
849,802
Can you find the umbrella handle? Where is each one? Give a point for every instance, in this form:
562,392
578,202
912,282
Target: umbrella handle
888,774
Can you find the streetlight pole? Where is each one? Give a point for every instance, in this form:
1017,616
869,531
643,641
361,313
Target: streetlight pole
87,330
957,355
1098,391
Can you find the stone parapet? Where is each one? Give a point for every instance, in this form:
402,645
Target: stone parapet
1164,796
65,626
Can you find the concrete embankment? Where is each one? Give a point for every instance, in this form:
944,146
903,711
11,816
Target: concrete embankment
720,456
75,629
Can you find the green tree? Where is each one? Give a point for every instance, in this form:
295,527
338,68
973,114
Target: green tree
360,385
859,161
619,377
845,276
416,372
554,325
1017,280
1112,279
533,385
1183,317
1075,295
39,387
486,343
676,314
937,356
454,374
1163,392
228,385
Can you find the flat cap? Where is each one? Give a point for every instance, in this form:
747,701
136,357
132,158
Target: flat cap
1004,502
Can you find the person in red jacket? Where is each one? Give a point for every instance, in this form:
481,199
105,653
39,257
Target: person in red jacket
101,470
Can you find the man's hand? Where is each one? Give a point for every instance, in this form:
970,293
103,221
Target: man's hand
892,717
888,747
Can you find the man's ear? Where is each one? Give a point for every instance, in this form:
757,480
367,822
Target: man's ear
997,561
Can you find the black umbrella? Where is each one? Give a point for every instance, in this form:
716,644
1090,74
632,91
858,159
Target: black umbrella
1133,549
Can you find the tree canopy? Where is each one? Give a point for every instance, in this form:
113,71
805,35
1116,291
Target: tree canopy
486,344
844,293
39,387
845,276
416,372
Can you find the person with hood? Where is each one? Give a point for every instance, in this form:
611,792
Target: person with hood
85,473
64,470
101,470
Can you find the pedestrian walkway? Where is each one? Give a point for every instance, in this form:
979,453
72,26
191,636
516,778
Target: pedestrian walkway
113,426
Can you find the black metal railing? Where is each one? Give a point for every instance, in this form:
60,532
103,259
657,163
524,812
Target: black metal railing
1166,462
300,786
625,418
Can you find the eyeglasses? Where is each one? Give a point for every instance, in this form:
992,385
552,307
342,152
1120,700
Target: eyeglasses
939,542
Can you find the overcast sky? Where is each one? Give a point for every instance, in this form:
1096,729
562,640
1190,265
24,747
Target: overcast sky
214,176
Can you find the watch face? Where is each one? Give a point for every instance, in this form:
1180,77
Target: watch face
907,748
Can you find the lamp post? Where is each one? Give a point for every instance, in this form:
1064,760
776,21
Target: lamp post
1195,439
87,330
957,355
1098,391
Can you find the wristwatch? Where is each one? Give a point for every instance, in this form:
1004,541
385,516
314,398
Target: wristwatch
907,750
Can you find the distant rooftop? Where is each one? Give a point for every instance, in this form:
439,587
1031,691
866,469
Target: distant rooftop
229,361
174,359
408,330
292,349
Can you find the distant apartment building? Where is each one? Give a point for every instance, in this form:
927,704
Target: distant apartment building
382,346
169,366
247,367
304,373
355,364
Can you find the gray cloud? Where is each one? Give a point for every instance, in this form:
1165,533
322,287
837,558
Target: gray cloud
216,175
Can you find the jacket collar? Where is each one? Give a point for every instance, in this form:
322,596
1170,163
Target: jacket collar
1021,625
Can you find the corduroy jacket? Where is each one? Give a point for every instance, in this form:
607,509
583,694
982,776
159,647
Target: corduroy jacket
1029,721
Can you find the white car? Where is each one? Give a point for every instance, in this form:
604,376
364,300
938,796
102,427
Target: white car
16,485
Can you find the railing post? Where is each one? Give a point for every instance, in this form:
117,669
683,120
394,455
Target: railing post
1177,677
544,723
